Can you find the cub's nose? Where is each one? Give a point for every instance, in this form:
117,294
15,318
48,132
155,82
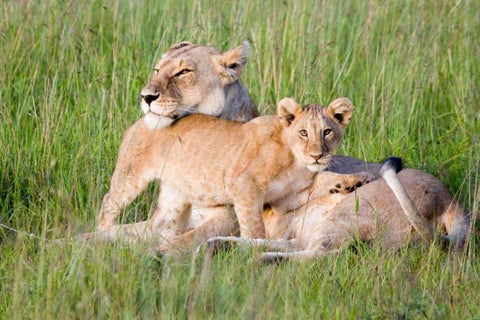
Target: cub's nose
149,97
316,156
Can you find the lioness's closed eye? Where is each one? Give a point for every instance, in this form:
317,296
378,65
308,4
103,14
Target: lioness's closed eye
191,78
208,162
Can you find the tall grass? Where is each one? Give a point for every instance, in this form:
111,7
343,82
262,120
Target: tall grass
70,76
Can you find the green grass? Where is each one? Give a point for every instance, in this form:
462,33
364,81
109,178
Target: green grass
70,77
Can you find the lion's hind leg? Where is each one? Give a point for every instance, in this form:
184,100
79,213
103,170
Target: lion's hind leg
331,233
319,245
300,255
217,243
277,250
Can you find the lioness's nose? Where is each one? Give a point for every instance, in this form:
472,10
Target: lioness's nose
149,97
316,156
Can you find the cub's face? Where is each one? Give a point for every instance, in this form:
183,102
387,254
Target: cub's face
190,79
314,132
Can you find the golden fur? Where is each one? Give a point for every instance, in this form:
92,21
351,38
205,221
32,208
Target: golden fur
210,162
192,78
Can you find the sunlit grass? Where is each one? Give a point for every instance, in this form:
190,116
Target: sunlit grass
70,75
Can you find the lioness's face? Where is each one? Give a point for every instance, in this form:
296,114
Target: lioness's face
191,79
314,132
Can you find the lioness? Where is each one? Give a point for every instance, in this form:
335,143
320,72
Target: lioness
191,78
387,210
209,64
211,162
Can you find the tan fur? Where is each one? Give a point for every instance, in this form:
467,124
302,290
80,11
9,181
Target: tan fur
326,225
192,78
212,162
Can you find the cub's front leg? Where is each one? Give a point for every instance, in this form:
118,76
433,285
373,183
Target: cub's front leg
248,201
132,175
119,196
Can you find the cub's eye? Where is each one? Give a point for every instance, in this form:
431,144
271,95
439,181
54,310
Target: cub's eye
303,133
155,71
326,132
182,72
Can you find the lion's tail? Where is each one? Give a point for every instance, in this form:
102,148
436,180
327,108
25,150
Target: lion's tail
456,222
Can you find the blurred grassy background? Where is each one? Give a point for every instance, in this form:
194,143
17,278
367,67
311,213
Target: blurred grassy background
70,77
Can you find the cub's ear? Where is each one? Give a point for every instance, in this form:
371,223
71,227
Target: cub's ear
175,47
288,109
341,111
229,65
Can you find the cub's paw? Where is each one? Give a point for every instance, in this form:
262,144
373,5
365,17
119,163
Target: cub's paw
364,178
352,182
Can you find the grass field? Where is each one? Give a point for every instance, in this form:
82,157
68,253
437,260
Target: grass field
70,77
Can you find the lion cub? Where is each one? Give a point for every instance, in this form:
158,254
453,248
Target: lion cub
210,162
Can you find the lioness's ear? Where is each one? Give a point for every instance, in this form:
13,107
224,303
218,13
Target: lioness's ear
229,65
341,111
287,110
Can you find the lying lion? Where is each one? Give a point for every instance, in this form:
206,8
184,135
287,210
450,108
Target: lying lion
392,210
205,64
